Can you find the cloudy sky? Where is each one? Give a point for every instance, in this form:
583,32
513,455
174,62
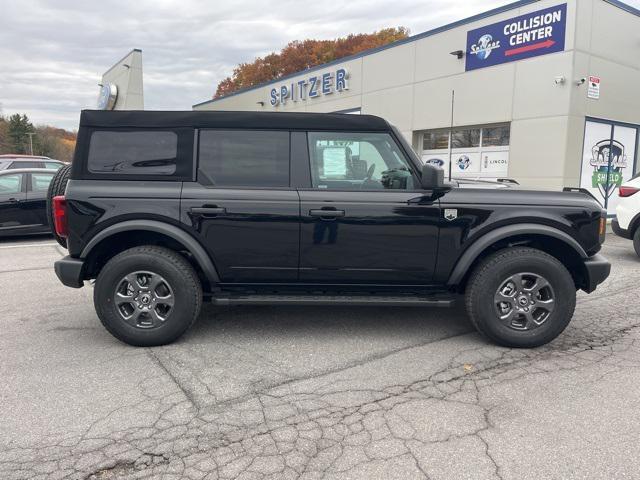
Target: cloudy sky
53,52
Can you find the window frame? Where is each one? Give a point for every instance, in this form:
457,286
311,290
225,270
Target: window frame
414,170
185,156
206,184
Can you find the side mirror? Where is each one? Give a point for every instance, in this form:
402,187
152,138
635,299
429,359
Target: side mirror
432,177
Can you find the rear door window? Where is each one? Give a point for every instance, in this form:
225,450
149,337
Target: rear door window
244,158
148,152
52,165
23,164
40,181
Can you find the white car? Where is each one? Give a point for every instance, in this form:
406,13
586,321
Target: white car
627,223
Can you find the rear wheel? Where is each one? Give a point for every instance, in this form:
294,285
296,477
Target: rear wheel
520,297
57,187
636,241
147,296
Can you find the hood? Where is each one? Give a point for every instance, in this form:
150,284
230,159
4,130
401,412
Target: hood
516,196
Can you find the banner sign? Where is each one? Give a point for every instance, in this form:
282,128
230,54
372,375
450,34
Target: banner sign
526,36
607,160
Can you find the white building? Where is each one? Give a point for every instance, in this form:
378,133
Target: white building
546,92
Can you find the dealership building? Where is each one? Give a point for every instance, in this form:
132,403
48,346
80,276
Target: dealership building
544,92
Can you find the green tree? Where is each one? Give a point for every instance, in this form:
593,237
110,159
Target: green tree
4,136
18,129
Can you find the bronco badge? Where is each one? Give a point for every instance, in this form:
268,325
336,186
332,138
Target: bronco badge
450,213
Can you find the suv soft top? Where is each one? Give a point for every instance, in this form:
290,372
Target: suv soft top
230,120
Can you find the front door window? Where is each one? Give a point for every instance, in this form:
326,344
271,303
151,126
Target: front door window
358,161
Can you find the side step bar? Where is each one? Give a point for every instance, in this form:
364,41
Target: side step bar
356,300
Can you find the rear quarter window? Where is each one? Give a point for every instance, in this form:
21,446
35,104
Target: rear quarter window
141,152
25,164
40,181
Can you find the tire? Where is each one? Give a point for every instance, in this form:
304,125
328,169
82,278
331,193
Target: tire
57,187
636,241
159,324
501,276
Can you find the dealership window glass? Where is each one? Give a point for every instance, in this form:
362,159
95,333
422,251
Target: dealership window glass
142,152
358,161
10,184
40,181
244,158
436,140
465,138
495,136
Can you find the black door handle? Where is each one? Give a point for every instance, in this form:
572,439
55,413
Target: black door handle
208,211
14,200
326,213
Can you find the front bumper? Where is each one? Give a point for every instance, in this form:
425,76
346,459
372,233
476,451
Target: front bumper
69,271
618,230
597,269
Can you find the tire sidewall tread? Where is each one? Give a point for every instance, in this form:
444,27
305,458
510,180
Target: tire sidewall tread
494,269
175,269
636,241
57,187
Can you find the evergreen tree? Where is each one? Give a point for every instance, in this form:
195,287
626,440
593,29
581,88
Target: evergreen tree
18,128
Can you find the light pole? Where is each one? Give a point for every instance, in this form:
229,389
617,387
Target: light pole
31,134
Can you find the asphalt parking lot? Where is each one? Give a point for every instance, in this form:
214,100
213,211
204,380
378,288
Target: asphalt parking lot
307,392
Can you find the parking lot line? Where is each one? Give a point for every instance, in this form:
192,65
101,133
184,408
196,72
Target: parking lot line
2,247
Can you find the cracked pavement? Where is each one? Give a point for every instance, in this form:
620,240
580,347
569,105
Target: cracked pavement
313,393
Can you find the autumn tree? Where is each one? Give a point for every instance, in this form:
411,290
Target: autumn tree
48,141
54,142
302,54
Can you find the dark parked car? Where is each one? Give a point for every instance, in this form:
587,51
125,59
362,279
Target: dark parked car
23,197
10,161
164,209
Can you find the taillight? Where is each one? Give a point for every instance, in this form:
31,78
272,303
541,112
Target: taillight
60,216
627,191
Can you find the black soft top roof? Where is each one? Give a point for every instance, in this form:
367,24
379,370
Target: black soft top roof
219,119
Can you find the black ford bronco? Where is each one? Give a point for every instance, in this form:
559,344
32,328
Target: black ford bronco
168,209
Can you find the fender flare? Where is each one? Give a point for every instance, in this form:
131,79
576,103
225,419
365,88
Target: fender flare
489,238
179,235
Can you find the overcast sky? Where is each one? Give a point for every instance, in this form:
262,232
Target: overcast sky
53,52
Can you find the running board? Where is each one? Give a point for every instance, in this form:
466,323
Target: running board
356,300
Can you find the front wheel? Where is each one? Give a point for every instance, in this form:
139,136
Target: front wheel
147,296
520,297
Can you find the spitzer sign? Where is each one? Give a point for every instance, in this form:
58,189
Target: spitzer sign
536,33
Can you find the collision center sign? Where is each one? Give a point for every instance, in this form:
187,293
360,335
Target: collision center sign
526,36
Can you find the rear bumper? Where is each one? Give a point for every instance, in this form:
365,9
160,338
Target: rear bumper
598,269
69,271
618,230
